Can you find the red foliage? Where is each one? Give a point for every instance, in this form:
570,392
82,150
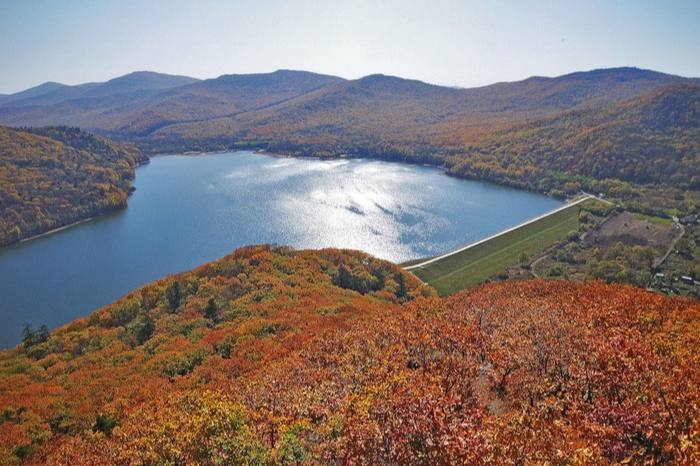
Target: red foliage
304,371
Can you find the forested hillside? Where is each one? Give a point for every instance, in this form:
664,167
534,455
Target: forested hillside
654,138
644,151
303,357
225,95
376,112
141,103
649,140
50,177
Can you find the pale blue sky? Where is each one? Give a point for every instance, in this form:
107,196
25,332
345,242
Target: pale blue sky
452,42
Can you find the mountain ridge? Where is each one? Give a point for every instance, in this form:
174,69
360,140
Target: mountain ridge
498,97
304,113
430,103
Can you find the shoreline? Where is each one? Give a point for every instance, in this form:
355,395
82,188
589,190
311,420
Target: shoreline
84,220
260,152
440,168
55,230
64,227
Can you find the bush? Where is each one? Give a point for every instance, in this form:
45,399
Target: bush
105,424
363,282
185,363
211,310
225,346
290,450
123,313
199,428
140,330
566,254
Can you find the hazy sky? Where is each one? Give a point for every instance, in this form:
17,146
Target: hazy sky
465,43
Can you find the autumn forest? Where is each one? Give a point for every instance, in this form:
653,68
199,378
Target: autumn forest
293,357
579,346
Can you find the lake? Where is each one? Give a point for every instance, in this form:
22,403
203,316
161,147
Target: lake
188,210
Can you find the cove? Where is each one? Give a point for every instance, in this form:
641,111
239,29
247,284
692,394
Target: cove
188,210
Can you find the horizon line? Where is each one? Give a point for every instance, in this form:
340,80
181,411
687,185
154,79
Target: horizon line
453,86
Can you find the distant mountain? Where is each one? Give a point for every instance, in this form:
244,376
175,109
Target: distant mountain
84,105
137,82
140,81
383,108
225,95
34,92
140,102
294,103
587,88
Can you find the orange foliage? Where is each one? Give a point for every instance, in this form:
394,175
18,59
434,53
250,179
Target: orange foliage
297,370
54,176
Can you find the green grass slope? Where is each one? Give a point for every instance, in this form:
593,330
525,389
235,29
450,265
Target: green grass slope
475,265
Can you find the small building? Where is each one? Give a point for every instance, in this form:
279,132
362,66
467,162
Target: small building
686,279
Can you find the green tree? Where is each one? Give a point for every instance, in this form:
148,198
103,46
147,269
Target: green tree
31,337
140,330
105,424
172,295
124,312
211,311
27,335
380,279
343,278
401,281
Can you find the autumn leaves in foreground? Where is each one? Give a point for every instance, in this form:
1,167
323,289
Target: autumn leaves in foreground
278,356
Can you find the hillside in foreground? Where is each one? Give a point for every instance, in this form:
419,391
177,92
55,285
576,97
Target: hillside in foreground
54,176
295,357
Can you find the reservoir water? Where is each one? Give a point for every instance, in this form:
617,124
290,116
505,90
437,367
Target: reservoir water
189,210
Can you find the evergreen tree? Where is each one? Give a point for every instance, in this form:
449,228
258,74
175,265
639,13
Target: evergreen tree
380,279
401,292
42,334
343,278
105,424
172,295
27,335
140,330
211,311
31,337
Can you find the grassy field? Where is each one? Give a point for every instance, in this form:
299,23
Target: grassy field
475,265
667,222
